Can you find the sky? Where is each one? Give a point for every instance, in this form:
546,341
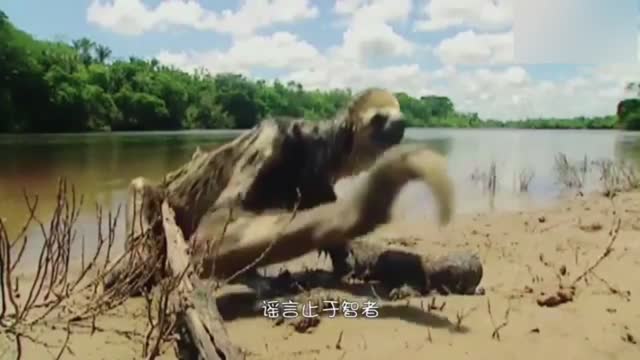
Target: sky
502,59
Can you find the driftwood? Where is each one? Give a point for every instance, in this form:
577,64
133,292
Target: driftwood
233,205
399,272
210,336
395,268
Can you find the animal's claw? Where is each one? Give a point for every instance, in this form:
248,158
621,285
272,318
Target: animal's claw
403,292
323,253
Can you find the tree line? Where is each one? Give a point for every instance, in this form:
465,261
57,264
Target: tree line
52,86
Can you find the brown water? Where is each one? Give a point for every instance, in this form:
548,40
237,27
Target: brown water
101,165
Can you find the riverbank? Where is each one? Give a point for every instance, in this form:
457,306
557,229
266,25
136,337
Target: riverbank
527,255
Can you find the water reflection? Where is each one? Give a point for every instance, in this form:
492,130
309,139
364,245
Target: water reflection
627,147
99,166
512,152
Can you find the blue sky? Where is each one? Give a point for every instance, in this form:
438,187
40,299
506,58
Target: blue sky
465,49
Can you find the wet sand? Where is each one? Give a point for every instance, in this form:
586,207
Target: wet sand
525,254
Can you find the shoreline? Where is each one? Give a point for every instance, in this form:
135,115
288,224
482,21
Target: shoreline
233,131
405,227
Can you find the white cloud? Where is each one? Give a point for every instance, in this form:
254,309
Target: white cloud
256,14
348,7
280,50
468,47
133,17
505,92
375,10
369,32
575,31
512,93
493,86
476,14
335,74
365,39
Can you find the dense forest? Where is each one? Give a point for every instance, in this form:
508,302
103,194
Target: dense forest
48,86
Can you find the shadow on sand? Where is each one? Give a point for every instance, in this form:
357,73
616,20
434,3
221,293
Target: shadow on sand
247,302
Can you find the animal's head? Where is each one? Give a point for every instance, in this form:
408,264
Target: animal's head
376,124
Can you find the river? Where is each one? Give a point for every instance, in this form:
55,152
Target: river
101,165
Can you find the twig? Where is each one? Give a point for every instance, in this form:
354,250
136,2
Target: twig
66,342
18,346
339,342
613,235
52,283
461,315
165,322
3,290
611,288
496,328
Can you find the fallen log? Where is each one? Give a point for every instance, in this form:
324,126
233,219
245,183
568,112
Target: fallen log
399,272
452,273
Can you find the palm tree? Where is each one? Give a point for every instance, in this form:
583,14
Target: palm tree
84,46
103,53
154,63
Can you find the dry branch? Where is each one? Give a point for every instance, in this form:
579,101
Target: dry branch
210,337
496,328
56,291
164,322
613,235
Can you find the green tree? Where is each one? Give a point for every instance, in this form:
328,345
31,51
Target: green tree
629,113
84,47
102,53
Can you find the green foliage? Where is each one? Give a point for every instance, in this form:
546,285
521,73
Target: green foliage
50,86
629,113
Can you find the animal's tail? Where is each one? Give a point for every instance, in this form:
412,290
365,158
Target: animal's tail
395,168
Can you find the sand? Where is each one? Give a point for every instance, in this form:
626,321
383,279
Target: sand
525,253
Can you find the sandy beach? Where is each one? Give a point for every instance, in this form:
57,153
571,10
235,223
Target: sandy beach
524,255
528,256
